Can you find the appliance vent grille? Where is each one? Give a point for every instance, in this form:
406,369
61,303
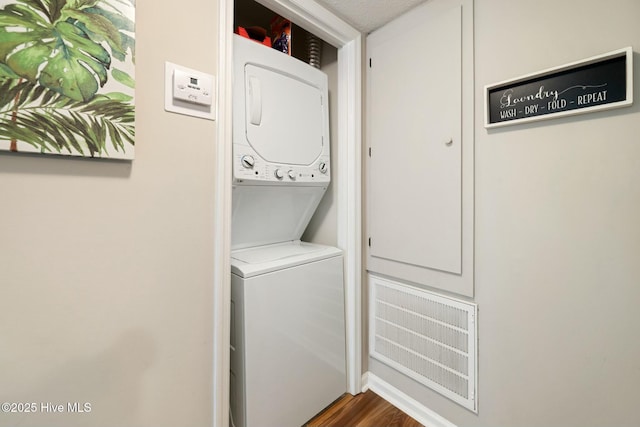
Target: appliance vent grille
429,337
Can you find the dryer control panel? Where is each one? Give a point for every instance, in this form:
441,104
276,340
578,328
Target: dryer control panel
247,167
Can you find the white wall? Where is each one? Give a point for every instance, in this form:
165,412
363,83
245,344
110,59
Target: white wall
557,232
106,267
323,227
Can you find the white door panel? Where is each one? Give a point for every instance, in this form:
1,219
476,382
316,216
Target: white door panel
415,134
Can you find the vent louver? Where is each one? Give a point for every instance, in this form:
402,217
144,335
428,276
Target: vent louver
429,337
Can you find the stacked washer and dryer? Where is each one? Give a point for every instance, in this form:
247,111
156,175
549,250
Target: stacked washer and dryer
287,296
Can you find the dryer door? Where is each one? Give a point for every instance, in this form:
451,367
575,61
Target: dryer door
284,118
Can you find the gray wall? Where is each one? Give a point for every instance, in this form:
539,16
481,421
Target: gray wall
106,268
557,233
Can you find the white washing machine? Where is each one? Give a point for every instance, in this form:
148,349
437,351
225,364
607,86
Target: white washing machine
287,346
288,330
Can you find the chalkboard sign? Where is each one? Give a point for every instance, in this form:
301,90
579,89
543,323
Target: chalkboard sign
602,82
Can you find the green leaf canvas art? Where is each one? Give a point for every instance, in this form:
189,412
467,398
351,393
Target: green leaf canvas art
67,77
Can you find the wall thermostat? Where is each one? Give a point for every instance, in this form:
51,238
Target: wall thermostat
189,92
192,87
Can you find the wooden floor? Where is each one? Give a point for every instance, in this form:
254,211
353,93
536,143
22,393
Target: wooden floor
364,410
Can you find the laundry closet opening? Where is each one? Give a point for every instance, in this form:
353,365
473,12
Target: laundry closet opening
288,334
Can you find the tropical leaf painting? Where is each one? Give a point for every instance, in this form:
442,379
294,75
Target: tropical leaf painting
67,77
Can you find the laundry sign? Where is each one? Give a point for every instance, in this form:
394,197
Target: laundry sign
597,83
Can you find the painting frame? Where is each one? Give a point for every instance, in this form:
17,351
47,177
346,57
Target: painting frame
67,77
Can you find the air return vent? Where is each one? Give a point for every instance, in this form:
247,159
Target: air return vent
427,336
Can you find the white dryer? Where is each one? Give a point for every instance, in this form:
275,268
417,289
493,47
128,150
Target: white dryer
288,330
281,163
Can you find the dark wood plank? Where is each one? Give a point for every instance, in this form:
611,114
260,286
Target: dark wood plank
363,410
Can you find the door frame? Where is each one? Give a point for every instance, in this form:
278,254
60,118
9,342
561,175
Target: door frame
316,19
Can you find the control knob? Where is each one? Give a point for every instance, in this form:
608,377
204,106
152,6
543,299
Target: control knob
292,175
248,161
322,167
279,174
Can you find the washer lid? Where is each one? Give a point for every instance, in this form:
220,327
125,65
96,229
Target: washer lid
284,118
265,259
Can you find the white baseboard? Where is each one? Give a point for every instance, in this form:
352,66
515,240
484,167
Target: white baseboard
406,404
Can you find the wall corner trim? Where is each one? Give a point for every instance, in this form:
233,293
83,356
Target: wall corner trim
365,382
222,220
405,403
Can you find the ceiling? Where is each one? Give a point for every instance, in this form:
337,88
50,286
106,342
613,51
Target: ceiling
368,15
